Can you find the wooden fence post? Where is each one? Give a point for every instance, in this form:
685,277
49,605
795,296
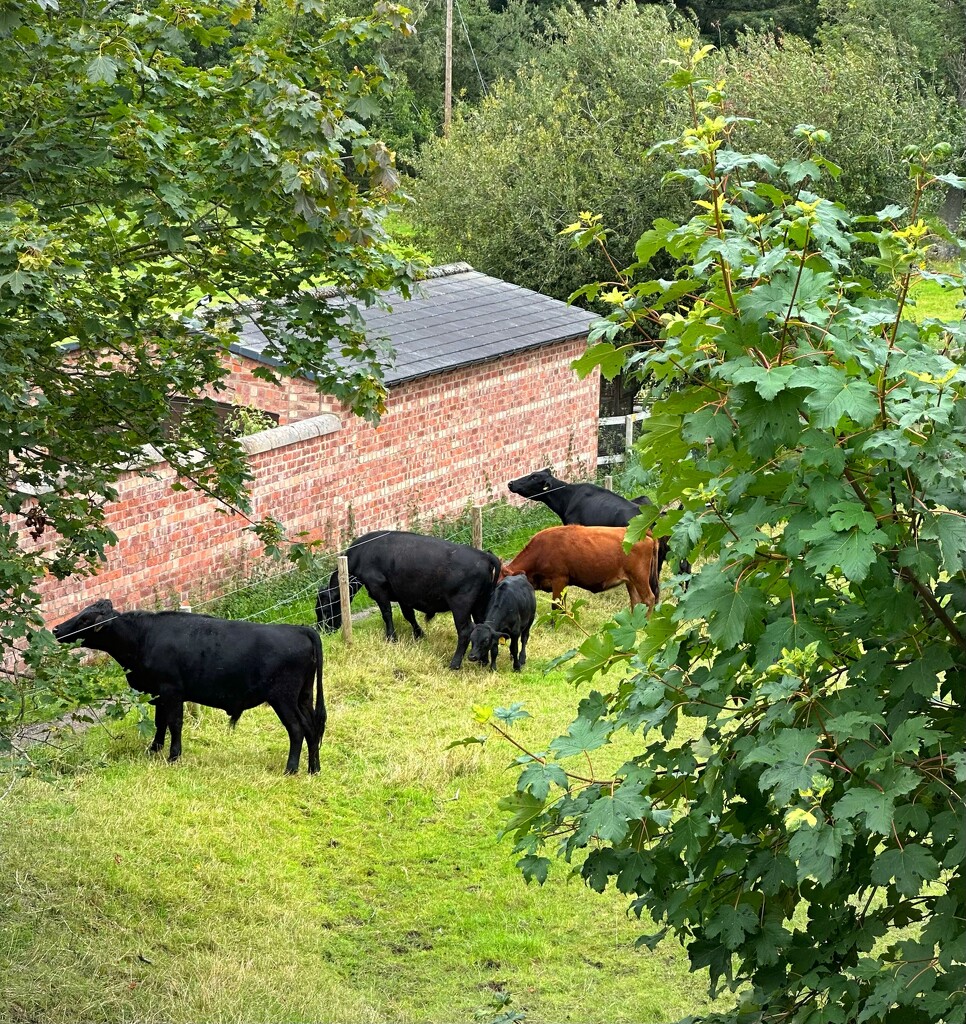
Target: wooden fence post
628,433
476,517
345,599
609,483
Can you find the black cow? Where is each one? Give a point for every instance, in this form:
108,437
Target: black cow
586,505
419,573
509,617
178,657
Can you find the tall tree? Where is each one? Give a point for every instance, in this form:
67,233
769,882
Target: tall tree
136,185
565,135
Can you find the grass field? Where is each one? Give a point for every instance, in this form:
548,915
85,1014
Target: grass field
933,300
218,889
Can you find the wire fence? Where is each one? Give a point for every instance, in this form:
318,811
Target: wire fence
289,595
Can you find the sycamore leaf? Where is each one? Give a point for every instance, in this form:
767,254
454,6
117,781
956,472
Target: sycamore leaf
610,360
534,868
523,808
538,777
909,867
732,924
102,70
582,736
835,396
874,806
609,816
853,550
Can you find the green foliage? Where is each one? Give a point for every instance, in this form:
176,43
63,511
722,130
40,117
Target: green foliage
248,419
806,844
134,185
722,21
568,132
564,135
868,92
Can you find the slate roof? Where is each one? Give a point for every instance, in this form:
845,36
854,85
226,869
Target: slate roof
457,317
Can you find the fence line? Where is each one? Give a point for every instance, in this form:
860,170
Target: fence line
628,422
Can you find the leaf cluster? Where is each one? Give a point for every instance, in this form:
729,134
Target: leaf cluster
151,206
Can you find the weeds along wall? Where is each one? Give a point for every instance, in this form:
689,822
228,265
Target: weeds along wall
445,441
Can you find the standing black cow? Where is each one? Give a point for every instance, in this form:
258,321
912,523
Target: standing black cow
178,657
419,573
587,505
509,617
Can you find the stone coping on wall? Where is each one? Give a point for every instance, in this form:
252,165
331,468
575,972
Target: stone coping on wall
252,444
290,433
264,440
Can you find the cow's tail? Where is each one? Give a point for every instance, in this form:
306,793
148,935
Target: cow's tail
320,714
657,561
496,567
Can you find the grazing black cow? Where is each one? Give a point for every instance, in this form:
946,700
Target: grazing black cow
424,574
509,617
178,657
587,505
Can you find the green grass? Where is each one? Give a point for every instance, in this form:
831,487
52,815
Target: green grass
932,300
218,889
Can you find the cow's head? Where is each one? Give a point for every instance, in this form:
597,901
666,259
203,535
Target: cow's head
534,483
84,624
328,607
484,643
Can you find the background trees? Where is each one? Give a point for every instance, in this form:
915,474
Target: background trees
135,184
567,134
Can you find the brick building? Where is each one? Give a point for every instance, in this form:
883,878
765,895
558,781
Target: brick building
480,390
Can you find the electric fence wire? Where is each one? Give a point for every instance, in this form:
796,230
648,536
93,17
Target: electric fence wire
461,531
466,32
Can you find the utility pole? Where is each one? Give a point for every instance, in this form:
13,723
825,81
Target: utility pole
448,75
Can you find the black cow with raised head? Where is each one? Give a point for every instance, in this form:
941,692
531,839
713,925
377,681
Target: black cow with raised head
586,505
509,617
235,666
420,574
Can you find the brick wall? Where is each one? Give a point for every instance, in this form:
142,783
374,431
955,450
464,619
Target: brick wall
445,441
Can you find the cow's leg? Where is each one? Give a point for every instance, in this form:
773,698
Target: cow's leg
381,596
385,608
464,626
640,594
292,720
175,722
161,710
515,653
313,736
524,637
312,742
410,616
557,587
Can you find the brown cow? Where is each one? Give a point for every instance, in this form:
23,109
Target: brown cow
589,557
